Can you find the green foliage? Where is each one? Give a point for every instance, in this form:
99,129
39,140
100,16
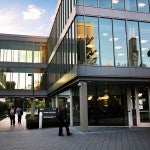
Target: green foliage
3,110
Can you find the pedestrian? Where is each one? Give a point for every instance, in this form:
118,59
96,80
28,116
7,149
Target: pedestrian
19,113
11,113
63,121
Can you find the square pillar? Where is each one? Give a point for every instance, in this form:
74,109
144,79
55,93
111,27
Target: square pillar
83,106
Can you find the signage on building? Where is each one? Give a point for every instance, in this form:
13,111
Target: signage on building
48,112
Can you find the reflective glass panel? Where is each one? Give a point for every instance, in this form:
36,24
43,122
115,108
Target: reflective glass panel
120,48
29,56
80,39
143,104
118,4
90,2
134,57
145,43
106,43
131,5
105,3
79,2
92,40
15,54
22,56
143,5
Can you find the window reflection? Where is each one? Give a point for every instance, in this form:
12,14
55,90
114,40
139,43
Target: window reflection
19,51
143,5
105,3
79,2
118,4
92,42
131,5
145,43
133,44
106,43
120,48
90,3
80,39
17,78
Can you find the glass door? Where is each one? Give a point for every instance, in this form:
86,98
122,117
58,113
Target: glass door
143,101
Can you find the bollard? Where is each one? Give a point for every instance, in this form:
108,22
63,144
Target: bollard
129,116
40,120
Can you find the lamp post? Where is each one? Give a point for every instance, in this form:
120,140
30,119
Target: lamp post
32,99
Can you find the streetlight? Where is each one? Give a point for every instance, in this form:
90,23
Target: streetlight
32,100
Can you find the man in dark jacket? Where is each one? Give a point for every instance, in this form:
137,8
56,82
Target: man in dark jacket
63,121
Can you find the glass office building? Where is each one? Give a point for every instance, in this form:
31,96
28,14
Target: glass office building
23,61
98,61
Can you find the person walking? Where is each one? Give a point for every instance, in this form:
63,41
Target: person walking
19,113
11,113
63,121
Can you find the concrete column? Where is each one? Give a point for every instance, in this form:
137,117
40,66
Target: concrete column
83,106
130,107
57,104
71,108
53,102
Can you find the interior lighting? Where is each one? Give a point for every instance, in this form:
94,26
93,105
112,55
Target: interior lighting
90,97
140,94
105,97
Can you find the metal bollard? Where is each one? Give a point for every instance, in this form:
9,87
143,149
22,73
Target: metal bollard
129,117
40,120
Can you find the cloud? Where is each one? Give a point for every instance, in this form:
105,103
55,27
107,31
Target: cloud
6,18
32,13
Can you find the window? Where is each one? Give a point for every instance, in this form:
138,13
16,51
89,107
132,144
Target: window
145,43
105,3
131,5
143,5
106,43
118,4
134,57
119,38
90,3
92,40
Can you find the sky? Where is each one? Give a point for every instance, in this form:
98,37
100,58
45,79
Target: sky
27,17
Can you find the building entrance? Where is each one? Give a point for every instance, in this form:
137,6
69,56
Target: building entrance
140,107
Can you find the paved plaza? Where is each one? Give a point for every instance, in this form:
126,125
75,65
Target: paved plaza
97,138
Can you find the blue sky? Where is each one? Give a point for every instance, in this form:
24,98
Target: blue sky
27,17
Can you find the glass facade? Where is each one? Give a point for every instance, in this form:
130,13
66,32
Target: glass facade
18,52
19,78
129,5
21,51
107,105
102,42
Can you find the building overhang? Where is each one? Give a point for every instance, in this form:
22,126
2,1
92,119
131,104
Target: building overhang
102,74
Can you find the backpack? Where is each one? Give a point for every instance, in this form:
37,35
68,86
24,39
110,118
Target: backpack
12,112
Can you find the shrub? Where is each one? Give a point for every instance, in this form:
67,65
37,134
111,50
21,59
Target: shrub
33,122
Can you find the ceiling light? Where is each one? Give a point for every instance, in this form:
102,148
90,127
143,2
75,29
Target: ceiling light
90,98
